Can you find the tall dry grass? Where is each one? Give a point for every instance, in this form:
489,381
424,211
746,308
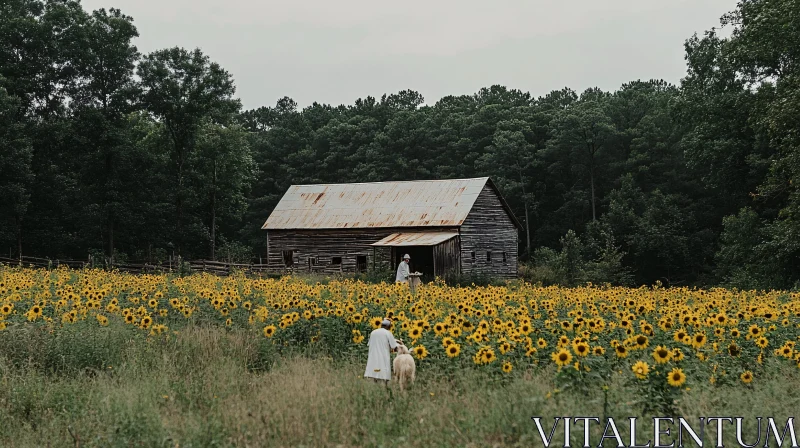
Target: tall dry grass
209,387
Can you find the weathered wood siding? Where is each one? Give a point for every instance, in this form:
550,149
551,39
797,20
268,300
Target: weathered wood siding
489,228
325,244
447,257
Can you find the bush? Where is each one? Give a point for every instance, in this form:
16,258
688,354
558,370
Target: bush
596,260
375,276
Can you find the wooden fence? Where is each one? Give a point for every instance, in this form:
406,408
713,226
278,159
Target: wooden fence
172,265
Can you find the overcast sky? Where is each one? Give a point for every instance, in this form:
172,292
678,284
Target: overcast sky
334,51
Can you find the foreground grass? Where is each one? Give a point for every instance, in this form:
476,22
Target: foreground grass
208,387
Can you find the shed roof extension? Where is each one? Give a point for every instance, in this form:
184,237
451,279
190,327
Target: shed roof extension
424,203
415,239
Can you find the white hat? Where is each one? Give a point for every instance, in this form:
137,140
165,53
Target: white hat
406,256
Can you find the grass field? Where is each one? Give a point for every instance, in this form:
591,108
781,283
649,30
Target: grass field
205,361
197,390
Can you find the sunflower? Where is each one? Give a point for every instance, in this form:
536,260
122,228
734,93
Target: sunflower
762,342
661,354
419,352
541,343
376,322
530,351
676,377
453,350
269,330
581,348
641,369
679,336
746,377
598,350
786,351
415,333
734,350
447,341
641,341
621,351
561,357
507,367
487,355
699,340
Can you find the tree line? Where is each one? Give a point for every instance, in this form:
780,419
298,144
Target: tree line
108,151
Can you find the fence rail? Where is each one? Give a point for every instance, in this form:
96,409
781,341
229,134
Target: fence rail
173,265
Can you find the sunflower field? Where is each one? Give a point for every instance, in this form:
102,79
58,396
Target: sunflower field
660,341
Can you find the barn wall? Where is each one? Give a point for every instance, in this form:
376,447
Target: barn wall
488,227
326,244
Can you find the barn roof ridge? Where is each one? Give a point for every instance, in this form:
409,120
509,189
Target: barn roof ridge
485,178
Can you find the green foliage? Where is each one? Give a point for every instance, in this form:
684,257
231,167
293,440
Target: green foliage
471,279
69,351
591,259
235,252
377,275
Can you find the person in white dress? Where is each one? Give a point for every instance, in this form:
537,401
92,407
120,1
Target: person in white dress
379,361
403,270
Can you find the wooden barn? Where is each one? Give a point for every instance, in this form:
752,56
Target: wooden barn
458,226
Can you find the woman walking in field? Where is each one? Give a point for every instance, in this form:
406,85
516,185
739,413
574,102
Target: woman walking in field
379,362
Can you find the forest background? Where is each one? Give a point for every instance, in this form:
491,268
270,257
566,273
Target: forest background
131,156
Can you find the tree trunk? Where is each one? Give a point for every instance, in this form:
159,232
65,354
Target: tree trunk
111,241
592,148
213,226
214,213
18,221
591,181
527,230
527,216
179,209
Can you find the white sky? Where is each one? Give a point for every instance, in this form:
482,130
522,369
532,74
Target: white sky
335,51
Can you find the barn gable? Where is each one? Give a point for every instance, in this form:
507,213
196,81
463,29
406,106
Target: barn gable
489,236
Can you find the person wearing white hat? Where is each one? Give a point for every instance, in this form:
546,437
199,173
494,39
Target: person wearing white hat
403,270
379,362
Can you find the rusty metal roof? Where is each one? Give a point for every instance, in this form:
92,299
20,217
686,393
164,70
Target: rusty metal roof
415,239
423,203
